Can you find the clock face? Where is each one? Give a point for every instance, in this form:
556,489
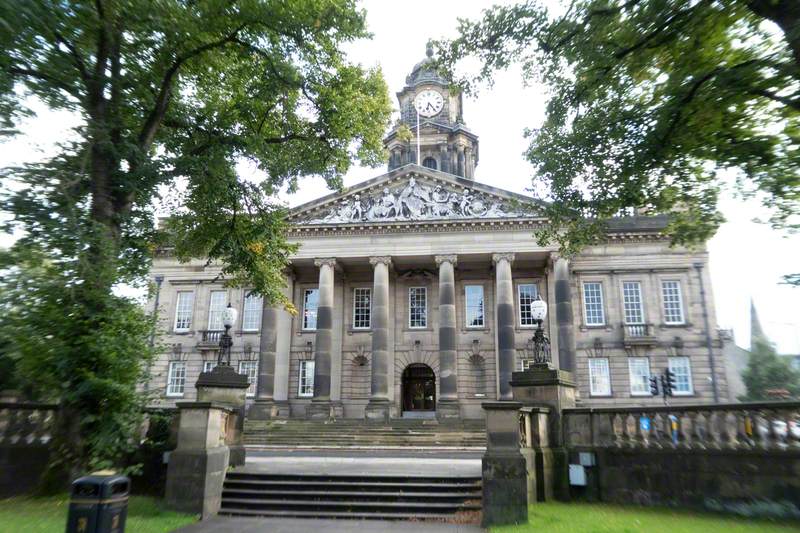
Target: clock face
429,103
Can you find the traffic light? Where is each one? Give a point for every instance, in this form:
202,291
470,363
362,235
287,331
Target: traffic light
654,385
667,383
670,380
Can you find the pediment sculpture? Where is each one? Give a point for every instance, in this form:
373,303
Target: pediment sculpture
415,201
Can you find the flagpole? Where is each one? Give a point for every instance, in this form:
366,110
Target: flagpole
418,161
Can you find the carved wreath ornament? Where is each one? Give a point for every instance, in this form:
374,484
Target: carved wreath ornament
414,201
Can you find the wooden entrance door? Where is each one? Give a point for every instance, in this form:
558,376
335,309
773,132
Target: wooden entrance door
419,388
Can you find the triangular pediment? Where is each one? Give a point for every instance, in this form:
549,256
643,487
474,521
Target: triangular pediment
412,193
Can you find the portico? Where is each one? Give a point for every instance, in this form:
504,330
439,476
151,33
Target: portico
380,317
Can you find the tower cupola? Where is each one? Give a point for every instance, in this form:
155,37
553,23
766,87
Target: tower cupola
445,143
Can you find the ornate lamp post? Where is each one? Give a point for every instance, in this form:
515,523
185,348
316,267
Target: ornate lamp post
541,344
225,342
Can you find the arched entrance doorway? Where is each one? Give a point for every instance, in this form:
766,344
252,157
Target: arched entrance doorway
419,388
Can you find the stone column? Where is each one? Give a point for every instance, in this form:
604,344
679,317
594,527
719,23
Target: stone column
460,161
323,343
380,398
444,158
273,370
283,348
564,315
469,163
506,350
448,355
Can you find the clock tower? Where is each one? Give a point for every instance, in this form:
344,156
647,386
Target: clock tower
445,142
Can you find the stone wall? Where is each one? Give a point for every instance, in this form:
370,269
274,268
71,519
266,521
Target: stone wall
742,458
747,481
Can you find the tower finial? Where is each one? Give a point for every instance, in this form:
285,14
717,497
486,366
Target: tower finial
429,48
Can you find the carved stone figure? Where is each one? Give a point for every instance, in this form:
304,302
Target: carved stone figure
415,201
358,209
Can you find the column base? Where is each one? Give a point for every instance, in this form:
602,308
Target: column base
337,410
448,410
319,410
377,411
268,410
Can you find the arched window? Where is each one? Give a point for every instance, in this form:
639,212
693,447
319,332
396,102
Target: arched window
429,162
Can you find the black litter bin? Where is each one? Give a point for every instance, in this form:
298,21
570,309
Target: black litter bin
98,504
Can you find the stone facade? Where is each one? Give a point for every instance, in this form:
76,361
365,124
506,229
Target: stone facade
465,253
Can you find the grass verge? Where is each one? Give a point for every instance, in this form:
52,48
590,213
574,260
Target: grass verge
49,515
599,518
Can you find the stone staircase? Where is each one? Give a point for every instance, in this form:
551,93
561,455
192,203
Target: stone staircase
250,493
466,434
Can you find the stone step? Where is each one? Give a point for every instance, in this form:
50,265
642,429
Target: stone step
358,433
370,494
335,515
398,497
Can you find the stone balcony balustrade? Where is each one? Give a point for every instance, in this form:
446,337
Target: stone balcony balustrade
773,426
26,423
639,335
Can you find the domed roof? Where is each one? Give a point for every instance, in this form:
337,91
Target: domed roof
424,71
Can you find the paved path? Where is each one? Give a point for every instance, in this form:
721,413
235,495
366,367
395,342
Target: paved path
300,525
365,463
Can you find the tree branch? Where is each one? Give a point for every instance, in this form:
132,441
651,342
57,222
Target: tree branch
32,73
76,57
789,102
155,116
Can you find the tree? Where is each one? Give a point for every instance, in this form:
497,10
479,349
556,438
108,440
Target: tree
651,103
768,373
171,96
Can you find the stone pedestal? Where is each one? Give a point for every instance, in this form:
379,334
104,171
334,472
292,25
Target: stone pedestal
544,386
224,386
448,411
319,410
505,484
268,409
197,467
377,411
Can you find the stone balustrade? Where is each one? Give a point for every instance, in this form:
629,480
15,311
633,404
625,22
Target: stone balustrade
773,426
26,423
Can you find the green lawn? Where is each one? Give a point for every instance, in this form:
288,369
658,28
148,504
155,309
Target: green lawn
49,515
589,518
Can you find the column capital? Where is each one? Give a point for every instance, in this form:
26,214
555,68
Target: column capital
446,258
328,261
381,260
505,256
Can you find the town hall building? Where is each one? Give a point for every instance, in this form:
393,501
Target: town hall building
415,293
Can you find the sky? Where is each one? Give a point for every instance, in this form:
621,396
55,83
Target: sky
747,259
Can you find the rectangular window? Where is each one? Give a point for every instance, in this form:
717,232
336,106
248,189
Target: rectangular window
593,313
216,306
362,308
251,312
183,311
673,304
208,366
632,301
639,369
473,298
310,304
306,383
417,307
527,293
681,367
176,378
599,377
250,369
